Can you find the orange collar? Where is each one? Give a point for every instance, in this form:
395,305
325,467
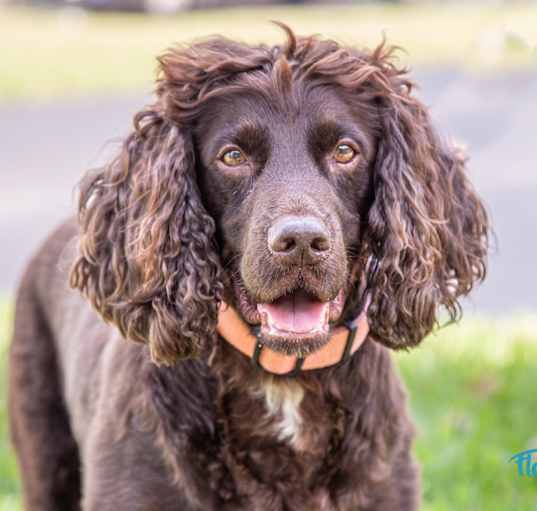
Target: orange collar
344,342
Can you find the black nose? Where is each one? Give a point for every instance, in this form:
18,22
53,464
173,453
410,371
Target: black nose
299,239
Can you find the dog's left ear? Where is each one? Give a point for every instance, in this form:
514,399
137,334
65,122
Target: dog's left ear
427,226
147,258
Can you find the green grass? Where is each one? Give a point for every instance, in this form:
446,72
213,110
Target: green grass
60,53
473,398
9,485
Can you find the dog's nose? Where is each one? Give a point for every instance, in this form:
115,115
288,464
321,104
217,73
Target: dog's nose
299,239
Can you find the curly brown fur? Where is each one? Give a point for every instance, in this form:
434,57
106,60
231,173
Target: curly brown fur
148,262
166,231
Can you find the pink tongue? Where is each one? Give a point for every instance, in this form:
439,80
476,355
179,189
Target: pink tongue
295,313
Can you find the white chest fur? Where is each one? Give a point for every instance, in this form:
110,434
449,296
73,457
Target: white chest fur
282,401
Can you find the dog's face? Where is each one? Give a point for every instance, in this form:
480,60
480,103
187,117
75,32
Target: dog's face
266,177
288,181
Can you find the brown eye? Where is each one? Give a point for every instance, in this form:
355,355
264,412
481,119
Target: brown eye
344,153
233,158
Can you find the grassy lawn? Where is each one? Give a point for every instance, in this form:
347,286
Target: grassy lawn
60,53
473,399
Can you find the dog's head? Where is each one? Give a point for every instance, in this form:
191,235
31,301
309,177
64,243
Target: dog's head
267,177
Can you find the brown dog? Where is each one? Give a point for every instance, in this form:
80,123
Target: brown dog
302,185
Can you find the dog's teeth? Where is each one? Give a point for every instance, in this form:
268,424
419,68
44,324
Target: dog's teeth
264,318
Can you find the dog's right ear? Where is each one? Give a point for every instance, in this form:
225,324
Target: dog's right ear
147,260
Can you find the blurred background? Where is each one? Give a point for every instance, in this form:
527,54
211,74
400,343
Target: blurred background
73,73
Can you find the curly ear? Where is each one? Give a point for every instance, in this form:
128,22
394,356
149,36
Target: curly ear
147,259
427,226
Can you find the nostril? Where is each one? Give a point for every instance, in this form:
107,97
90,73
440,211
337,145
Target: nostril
320,244
283,244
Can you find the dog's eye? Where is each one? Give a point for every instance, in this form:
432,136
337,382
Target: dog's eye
233,157
344,153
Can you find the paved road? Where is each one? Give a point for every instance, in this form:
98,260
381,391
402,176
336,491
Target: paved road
45,148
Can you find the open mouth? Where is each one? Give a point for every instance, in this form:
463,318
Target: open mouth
297,315
297,322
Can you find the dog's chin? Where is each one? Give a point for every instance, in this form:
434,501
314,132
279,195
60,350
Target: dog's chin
292,344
